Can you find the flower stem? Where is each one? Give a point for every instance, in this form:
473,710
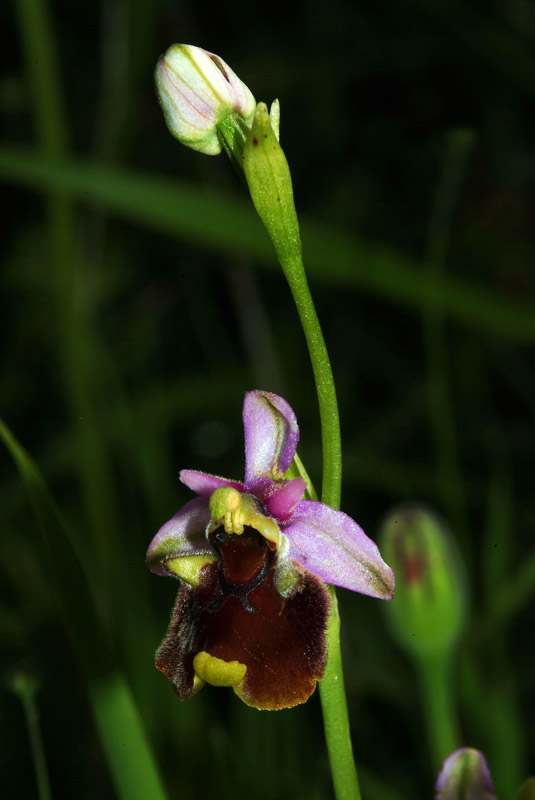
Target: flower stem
335,715
270,184
439,704
321,366
332,690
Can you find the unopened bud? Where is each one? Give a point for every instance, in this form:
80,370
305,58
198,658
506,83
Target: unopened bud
465,776
527,790
198,93
429,606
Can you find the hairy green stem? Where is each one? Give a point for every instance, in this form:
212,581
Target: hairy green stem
269,180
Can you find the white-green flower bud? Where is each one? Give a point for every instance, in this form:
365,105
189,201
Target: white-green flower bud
198,91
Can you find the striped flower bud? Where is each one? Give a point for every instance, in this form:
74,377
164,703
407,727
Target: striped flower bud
198,92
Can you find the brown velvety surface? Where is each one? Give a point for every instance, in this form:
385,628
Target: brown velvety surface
237,614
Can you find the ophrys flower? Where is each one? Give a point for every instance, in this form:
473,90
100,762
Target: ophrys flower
252,556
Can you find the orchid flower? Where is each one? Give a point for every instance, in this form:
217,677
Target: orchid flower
253,558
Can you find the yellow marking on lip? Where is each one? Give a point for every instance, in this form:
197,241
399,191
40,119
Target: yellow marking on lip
216,671
188,568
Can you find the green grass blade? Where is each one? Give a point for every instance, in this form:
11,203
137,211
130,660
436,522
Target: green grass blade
129,757
228,225
25,686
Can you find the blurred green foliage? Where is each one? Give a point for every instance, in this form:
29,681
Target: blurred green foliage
140,299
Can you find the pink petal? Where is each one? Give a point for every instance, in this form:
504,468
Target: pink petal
183,535
332,546
205,484
282,503
271,435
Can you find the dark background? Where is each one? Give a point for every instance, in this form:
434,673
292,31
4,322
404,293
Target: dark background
129,336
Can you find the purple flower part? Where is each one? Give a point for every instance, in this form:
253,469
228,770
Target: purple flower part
271,436
205,484
183,535
465,776
281,504
331,545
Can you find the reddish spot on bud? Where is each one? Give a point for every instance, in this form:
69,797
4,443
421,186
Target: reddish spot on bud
412,569
255,141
